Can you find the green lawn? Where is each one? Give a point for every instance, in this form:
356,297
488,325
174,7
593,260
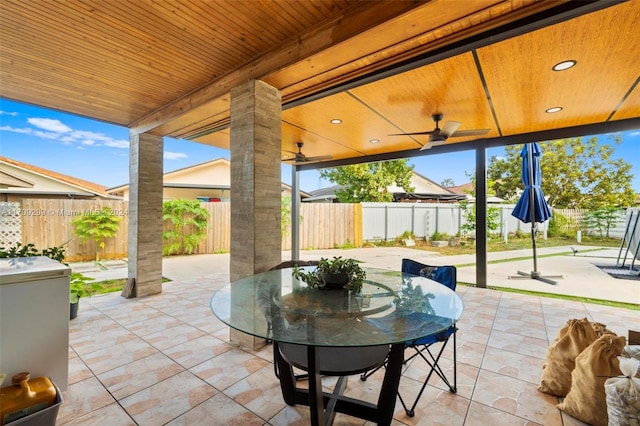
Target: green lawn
110,286
497,244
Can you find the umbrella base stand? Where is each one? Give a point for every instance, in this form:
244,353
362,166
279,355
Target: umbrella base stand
535,275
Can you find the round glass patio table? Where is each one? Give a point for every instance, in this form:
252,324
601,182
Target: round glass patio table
392,308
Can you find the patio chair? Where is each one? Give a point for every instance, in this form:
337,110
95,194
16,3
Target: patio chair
425,347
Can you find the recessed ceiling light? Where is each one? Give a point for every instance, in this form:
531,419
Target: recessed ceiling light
374,141
336,121
564,65
554,109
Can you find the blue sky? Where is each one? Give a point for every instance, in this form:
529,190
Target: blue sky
98,152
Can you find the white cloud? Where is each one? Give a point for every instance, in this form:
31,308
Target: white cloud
50,125
174,155
13,114
46,128
113,143
46,135
635,133
67,140
25,130
83,134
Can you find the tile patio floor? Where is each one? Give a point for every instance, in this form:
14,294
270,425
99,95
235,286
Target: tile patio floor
166,359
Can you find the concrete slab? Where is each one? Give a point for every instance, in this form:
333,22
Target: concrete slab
112,264
580,271
85,267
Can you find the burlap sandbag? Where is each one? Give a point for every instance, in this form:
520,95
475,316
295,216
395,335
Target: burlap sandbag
587,400
601,329
572,339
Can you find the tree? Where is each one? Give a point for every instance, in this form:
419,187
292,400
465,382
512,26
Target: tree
469,214
368,182
448,183
97,225
603,220
576,173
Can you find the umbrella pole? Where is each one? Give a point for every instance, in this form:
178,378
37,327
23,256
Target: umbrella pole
534,273
532,214
534,226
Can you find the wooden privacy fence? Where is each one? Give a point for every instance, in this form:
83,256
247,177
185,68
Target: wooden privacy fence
327,225
47,223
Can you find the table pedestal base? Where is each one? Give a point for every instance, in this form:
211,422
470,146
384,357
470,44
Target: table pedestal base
324,405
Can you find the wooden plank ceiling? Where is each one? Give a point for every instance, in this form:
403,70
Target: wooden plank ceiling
167,66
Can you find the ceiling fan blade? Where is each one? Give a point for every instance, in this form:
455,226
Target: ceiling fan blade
430,145
449,128
318,158
413,134
476,132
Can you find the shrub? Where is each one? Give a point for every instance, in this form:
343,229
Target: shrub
562,226
80,286
19,251
406,235
30,250
96,225
440,236
189,220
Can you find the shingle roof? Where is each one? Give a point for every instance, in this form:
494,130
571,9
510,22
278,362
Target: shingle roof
84,184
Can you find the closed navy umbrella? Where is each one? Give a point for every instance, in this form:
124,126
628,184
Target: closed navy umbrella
532,207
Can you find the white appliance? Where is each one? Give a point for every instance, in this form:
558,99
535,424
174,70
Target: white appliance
34,318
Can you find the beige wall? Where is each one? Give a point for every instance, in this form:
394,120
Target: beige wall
217,173
192,193
41,184
421,185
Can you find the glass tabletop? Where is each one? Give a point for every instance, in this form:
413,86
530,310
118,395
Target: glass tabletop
391,308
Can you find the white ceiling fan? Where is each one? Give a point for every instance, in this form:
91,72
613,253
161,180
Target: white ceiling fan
439,136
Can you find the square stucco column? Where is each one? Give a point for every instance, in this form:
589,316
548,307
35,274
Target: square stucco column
256,245
145,216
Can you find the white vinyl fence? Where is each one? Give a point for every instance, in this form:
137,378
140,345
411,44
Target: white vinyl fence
387,221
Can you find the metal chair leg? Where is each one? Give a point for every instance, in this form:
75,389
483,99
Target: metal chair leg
434,366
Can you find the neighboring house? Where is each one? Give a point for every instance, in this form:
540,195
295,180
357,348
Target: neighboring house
467,189
425,191
20,180
208,181
323,195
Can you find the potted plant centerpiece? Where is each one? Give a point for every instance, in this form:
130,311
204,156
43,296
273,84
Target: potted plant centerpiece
335,273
